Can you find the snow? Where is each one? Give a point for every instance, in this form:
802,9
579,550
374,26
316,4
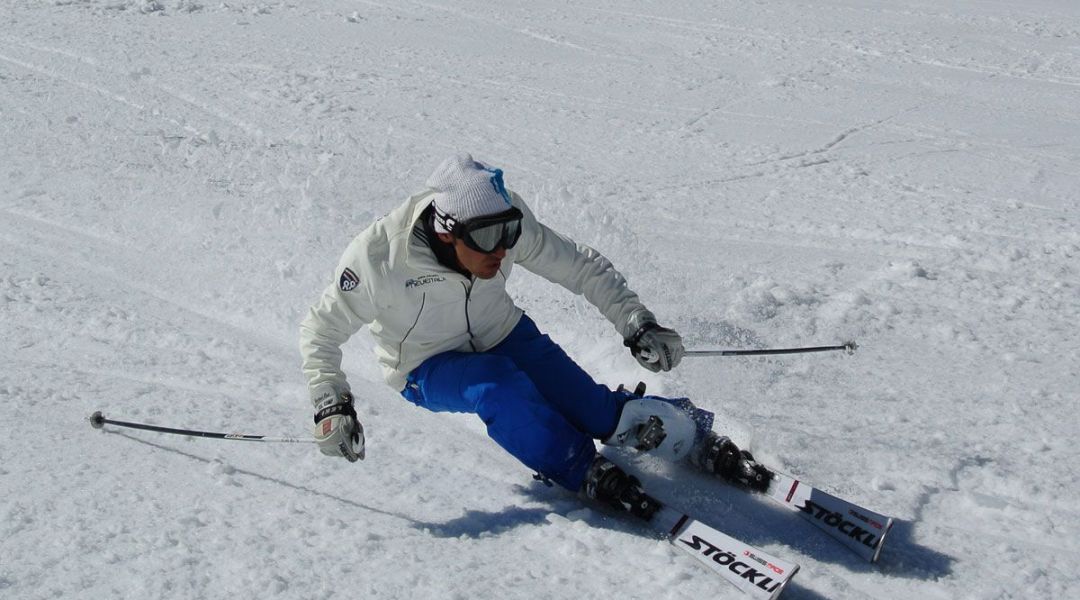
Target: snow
178,179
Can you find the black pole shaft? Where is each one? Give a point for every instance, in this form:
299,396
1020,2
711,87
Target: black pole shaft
849,347
97,421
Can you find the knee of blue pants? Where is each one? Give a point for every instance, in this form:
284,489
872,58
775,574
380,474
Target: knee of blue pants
517,416
519,420
538,436
591,407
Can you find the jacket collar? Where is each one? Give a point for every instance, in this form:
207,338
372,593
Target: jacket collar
419,255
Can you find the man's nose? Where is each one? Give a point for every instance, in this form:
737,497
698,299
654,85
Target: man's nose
499,253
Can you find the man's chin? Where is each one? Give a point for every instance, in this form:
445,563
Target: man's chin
489,273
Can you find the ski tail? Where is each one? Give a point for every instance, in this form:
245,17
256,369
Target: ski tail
757,573
859,529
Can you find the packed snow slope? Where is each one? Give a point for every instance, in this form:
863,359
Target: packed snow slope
178,179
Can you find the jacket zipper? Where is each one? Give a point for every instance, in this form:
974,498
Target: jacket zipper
468,322
401,344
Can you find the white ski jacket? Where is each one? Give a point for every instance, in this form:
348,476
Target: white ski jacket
390,280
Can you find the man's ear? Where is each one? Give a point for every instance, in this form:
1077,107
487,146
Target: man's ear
445,238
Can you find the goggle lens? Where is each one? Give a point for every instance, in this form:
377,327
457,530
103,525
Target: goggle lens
489,237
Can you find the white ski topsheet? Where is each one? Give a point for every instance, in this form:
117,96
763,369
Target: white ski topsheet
861,530
757,573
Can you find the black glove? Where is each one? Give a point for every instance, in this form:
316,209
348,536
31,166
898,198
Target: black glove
656,348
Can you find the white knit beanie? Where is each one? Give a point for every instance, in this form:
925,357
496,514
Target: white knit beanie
466,189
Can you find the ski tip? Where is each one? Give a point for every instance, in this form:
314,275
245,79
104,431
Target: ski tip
881,541
97,420
784,584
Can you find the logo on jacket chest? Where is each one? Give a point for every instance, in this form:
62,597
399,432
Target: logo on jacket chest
423,280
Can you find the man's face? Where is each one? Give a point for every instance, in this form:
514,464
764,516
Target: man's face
480,264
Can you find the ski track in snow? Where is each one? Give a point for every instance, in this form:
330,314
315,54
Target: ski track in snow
179,178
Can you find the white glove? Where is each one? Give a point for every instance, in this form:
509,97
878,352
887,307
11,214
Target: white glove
337,430
656,348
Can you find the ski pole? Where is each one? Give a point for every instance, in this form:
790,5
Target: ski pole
849,347
98,421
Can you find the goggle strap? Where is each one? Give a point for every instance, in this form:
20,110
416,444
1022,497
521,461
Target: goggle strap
445,219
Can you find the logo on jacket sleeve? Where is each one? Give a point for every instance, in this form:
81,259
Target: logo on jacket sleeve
348,281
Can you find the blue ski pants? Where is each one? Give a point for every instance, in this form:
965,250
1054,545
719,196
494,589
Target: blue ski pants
537,403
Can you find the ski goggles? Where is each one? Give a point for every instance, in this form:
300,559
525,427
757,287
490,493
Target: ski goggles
488,233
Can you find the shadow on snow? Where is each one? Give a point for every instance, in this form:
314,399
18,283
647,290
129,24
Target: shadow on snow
733,511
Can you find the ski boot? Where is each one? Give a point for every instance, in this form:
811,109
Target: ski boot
606,482
720,456
650,434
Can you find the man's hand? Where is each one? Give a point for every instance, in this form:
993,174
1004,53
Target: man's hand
656,348
337,430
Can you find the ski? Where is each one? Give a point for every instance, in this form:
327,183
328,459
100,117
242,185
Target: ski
757,573
859,529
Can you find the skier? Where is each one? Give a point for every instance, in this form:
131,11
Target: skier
429,281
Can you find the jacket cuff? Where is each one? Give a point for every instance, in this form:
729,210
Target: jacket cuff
324,394
637,320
